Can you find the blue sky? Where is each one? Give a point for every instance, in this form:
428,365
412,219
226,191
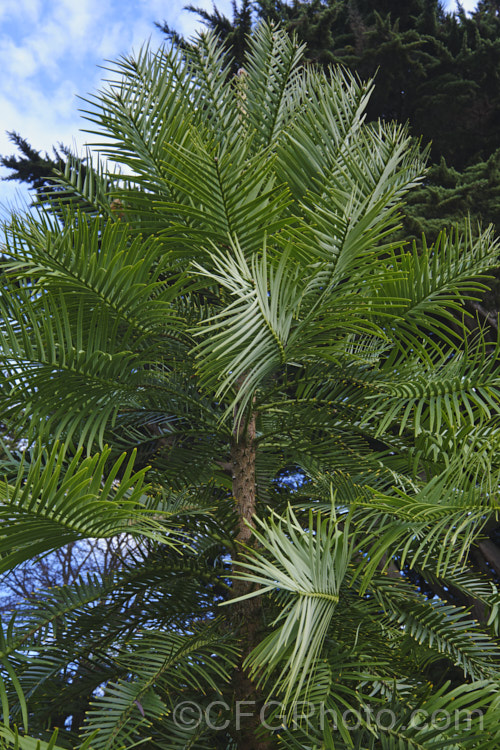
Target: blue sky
50,51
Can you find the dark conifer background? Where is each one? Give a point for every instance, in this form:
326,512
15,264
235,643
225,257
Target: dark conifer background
437,71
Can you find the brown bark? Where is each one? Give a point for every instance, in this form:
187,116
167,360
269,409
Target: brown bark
246,615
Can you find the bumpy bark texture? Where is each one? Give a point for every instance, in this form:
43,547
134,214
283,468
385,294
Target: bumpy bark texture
246,615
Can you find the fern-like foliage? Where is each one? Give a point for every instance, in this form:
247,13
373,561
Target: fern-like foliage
219,351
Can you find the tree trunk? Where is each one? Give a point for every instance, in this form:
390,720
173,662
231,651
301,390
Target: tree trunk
247,615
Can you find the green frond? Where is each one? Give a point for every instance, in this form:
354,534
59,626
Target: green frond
436,524
450,392
95,259
246,342
220,197
94,316
160,664
213,100
145,105
416,716
435,283
84,187
60,499
10,739
353,210
269,87
447,629
321,131
310,567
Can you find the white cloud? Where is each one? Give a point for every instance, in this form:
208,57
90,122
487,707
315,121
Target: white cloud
468,5
50,51
54,57
78,18
20,9
18,62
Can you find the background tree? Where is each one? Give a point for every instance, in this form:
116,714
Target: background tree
430,44
20,586
435,70
32,168
439,71
233,33
246,312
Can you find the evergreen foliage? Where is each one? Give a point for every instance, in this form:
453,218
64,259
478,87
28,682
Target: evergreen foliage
31,167
232,33
437,71
177,339
449,196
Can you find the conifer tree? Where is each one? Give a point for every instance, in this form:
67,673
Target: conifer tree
437,71
246,309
